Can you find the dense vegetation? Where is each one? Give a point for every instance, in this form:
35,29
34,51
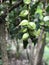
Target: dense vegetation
24,22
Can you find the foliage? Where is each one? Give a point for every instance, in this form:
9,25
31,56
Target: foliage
27,18
25,21
46,54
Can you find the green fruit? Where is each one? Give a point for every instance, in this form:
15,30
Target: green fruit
25,36
27,1
32,25
32,33
24,23
24,13
38,32
24,30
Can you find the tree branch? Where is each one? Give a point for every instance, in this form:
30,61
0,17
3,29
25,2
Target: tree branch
3,16
15,5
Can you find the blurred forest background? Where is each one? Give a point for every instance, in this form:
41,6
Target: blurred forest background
24,32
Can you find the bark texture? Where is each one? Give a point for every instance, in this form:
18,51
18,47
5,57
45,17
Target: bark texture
39,48
3,44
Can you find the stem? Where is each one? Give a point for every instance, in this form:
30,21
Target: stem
17,48
28,6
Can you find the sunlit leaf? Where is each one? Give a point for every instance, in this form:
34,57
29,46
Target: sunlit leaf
27,1
39,11
46,18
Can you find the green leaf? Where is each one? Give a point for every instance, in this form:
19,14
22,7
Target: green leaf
38,32
25,36
27,1
23,13
47,9
40,12
47,23
24,23
41,23
46,54
46,18
34,8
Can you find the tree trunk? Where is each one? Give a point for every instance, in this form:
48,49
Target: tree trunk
39,48
3,44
